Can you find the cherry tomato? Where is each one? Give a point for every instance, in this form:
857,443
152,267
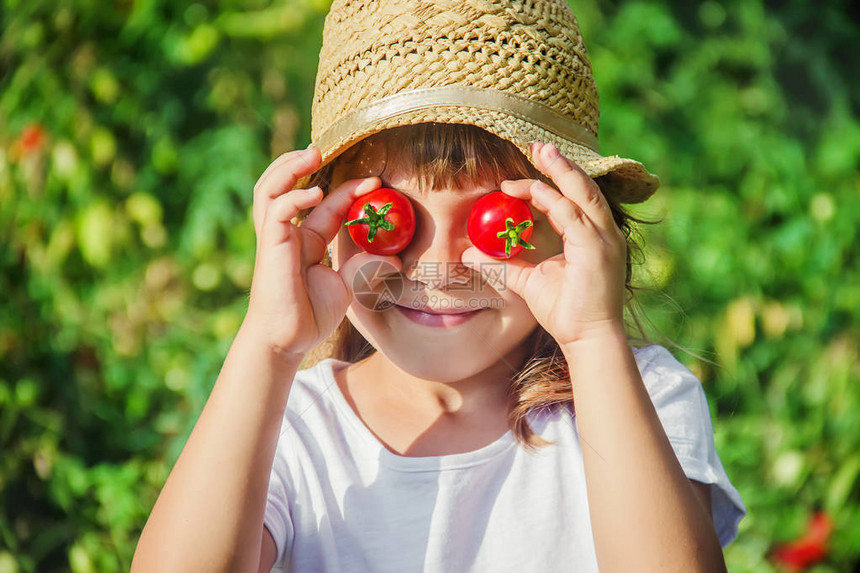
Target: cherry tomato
381,222
500,225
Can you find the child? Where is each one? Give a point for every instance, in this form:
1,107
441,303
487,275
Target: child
512,425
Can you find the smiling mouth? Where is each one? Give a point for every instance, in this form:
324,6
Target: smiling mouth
441,311
438,319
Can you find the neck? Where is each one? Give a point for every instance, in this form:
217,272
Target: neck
480,393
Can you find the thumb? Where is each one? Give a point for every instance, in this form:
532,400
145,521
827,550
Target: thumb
501,274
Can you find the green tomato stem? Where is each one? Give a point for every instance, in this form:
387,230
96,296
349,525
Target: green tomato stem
375,220
512,237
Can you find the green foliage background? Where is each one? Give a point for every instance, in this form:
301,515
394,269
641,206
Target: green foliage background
126,241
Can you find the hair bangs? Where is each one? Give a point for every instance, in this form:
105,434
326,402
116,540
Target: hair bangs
446,156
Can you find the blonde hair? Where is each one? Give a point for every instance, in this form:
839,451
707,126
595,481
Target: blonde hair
449,156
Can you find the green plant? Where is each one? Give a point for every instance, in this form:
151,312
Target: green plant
131,134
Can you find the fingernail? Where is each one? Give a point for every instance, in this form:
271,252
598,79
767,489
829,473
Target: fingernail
552,151
368,184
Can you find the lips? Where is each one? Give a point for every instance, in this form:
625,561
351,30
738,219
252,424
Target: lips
452,318
450,309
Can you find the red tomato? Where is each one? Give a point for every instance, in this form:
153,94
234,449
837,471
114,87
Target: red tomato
381,222
500,225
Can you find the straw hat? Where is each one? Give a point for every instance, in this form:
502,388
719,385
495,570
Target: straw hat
518,69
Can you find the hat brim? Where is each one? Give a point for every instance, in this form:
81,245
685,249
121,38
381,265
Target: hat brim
623,180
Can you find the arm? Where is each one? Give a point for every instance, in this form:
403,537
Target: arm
209,515
645,514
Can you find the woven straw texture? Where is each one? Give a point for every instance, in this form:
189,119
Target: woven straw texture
533,50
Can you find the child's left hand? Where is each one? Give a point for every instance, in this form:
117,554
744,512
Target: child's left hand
578,293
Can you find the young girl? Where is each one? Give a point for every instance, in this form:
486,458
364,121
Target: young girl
498,417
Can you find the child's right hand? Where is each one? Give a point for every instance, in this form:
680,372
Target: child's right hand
296,302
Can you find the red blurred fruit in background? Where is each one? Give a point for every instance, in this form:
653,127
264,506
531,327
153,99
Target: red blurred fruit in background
32,139
809,548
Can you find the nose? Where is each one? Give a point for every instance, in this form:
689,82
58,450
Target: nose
433,257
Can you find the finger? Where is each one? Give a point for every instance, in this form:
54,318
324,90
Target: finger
565,216
326,218
501,274
282,177
278,161
277,225
521,189
575,184
284,158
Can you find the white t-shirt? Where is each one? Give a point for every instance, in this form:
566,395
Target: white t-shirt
340,501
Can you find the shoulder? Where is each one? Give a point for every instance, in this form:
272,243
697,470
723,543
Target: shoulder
665,377
655,355
312,389
317,378
316,373
656,361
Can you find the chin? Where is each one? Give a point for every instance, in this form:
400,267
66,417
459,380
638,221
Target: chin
443,368
444,356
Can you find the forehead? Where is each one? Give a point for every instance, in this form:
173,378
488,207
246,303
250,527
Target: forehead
391,161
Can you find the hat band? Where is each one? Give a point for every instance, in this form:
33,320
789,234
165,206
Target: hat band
463,96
